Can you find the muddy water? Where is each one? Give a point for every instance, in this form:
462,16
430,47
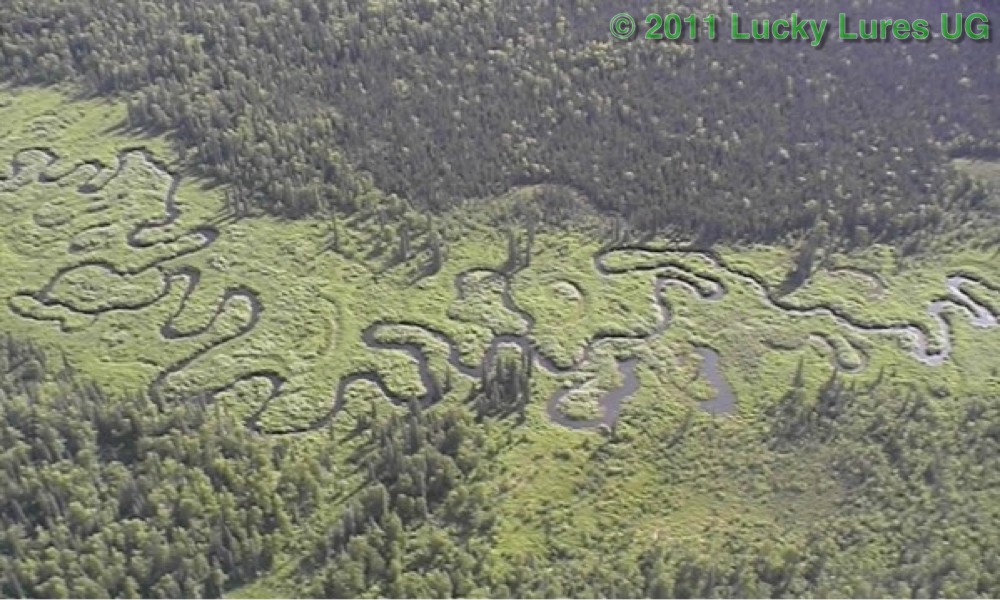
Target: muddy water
725,400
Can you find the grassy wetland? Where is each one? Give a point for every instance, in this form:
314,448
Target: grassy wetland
656,366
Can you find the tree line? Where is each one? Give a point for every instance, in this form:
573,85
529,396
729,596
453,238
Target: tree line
310,106
128,495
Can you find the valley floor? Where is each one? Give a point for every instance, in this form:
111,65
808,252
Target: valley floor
143,279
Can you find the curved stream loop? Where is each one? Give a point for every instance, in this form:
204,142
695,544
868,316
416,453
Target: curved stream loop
667,272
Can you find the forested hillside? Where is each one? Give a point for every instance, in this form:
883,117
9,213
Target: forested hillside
308,105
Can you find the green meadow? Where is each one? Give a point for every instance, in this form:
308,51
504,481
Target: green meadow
142,278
